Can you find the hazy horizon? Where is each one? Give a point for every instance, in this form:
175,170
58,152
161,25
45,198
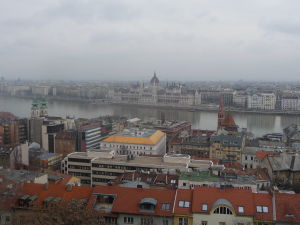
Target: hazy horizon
118,40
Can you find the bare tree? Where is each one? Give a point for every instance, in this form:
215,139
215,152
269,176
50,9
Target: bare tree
71,213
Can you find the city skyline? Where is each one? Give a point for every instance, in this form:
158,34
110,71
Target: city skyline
104,40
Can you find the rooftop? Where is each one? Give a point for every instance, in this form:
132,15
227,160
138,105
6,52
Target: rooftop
136,136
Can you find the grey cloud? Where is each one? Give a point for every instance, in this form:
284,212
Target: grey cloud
183,40
290,28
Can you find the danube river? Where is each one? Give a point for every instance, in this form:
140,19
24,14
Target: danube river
256,123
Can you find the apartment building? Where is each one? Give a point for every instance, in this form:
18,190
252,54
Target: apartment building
136,142
290,103
227,146
263,101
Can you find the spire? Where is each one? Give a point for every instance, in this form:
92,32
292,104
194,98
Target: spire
154,80
221,112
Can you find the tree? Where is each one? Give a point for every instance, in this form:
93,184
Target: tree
74,212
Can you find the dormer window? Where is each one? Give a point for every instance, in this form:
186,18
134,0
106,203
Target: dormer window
265,209
262,209
165,206
241,209
148,204
204,207
184,204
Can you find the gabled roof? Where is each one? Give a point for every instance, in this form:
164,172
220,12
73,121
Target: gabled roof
228,121
212,196
263,199
128,199
183,195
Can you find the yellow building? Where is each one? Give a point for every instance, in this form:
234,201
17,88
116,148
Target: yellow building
136,141
182,209
227,146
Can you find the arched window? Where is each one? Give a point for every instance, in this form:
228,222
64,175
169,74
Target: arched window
223,210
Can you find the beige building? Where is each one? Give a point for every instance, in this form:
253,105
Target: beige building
227,146
136,142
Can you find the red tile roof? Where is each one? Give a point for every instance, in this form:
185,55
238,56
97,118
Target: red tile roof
263,199
183,195
56,190
128,199
210,195
262,155
287,207
228,121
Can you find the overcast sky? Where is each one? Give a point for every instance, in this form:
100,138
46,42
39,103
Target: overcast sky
129,39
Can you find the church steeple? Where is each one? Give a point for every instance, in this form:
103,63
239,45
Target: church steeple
221,112
43,108
35,111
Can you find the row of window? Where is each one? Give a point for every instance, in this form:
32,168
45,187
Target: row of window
79,167
79,174
79,160
101,180
125,146
119,167
145,221
106,173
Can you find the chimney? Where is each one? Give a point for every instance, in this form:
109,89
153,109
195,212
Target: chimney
69,188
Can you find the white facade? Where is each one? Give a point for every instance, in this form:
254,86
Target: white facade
263,101
290,103
239,100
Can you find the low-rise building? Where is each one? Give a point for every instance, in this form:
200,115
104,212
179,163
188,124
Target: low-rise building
249,159
207,179
136,142
100,168
284,170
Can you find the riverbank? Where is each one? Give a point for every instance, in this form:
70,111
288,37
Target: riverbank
202,108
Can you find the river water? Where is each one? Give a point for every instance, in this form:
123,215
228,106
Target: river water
258,124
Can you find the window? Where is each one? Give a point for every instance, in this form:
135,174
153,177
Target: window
181,204
165,206
128,220
147,221
165,222
204,207
203,222
184,204
173,181
183,221
265,209
223,210
259,209
241,209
